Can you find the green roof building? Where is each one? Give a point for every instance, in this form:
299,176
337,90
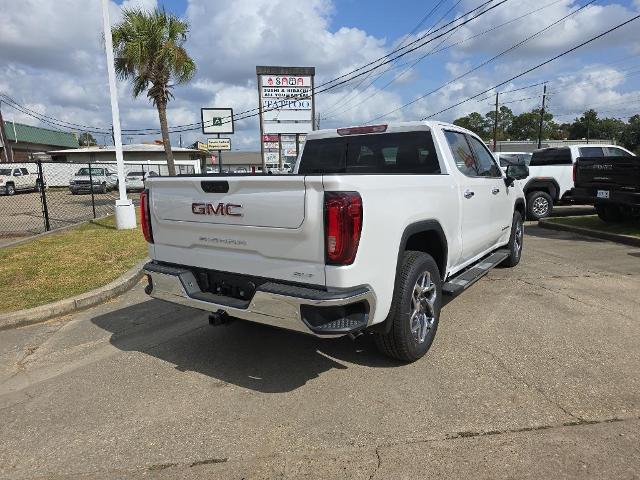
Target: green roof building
25,140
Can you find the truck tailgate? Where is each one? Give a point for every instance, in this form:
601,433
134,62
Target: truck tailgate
267,226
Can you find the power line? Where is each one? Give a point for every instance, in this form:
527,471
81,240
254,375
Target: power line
486,62
546,62
435,51
424,18
332,114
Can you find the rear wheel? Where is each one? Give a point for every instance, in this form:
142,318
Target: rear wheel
11,189
415,309
539,205
103,189
610,213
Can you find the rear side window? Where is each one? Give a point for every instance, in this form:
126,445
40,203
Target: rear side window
406,152
615,152
551,156
24,171
591,152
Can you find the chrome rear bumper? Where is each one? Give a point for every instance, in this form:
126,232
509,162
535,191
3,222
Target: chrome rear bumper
273,303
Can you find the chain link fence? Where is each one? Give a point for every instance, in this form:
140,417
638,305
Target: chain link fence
42,196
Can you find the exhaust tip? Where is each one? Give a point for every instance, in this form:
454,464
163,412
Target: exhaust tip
149,287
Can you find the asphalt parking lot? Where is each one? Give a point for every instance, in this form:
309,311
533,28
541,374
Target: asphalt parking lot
533,374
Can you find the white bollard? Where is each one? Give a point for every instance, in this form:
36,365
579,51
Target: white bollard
125,215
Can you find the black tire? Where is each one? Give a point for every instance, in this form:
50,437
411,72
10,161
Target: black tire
539,205
515,242
10,189
610,213
103,189
401,342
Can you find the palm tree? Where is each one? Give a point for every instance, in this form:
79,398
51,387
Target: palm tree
149,51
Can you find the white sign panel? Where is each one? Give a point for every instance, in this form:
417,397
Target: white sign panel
285,81
293,127
287,104
219,144
286,92
217,120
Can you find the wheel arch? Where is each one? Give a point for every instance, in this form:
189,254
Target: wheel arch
543,184
521,208
424,236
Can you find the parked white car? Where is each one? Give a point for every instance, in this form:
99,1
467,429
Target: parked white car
550,180
376,224
135,181
18,179
98,179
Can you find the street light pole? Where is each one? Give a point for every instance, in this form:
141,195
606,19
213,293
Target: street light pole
125,212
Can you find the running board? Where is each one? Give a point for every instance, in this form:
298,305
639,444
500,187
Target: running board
459,283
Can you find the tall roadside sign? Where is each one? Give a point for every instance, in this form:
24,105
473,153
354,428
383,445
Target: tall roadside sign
217,121
287,110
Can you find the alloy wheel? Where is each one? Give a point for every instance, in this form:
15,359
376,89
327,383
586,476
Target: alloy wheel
423,302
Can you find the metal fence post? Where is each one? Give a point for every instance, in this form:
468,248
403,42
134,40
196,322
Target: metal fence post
43,197
93,200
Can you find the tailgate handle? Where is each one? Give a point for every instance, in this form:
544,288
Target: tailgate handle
215,186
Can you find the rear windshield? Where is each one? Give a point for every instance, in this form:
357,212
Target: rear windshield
507,159
407,152
551,156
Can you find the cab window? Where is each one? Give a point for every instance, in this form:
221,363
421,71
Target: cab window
487,166
591,152
462,154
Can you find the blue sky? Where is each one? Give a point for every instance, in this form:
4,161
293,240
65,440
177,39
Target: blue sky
61,71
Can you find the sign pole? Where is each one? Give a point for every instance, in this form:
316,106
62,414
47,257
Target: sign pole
264,161
125,212
219,158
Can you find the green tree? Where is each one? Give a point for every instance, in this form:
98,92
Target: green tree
149,51
586,126
505,119
631,135
86,140
526,126
474,122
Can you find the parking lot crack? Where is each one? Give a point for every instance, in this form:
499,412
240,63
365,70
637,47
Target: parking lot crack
519,379
379,463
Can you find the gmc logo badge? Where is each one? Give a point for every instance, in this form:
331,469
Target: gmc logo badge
219,209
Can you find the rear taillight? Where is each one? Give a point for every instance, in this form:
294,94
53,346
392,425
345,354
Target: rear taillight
342,223
145,216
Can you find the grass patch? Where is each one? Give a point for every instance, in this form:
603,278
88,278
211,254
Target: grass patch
594,223
66,264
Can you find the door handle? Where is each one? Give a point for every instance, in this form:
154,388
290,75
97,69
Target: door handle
495,191
468,194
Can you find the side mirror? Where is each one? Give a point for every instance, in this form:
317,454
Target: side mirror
516,172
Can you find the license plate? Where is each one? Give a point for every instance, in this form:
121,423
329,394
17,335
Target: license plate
603,193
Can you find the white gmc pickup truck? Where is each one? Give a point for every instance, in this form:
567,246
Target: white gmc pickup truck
374,226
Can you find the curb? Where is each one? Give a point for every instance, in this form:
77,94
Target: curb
613,237
42,313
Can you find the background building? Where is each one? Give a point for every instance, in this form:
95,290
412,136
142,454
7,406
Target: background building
26,141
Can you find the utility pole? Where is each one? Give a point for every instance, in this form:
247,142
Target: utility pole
495,125
544,97
8,152
180,140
